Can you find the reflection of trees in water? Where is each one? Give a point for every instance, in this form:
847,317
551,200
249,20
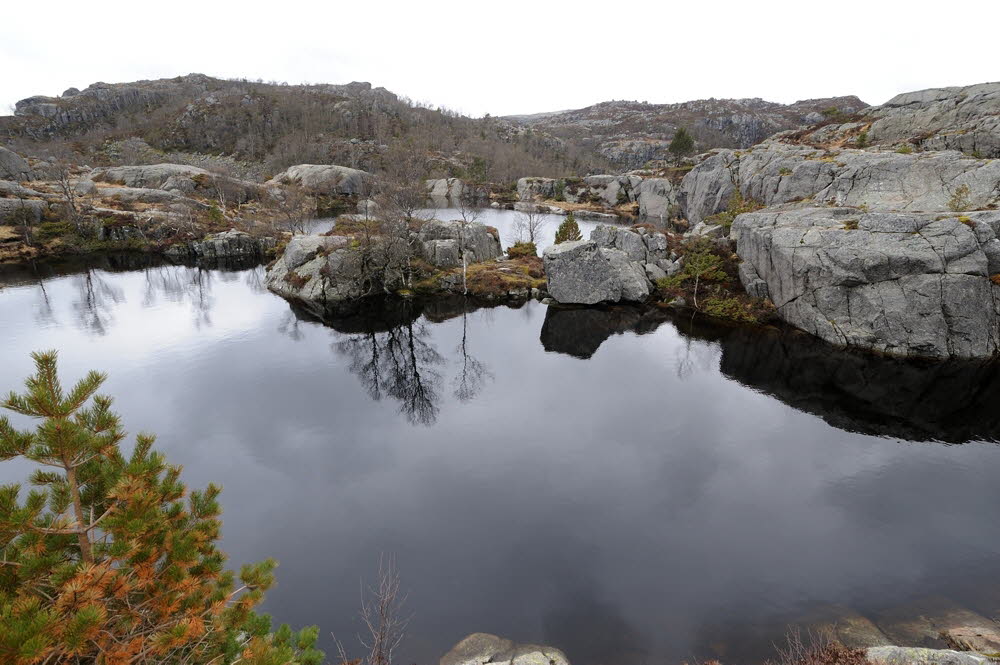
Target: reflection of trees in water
399,360
400,363
95,300
179,284
472,373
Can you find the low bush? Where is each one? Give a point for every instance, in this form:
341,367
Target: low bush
50,230
522,249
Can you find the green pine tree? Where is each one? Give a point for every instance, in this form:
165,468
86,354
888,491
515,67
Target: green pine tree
568,230
682,144
108,559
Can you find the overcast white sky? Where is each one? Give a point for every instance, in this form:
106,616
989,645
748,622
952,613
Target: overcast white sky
512,56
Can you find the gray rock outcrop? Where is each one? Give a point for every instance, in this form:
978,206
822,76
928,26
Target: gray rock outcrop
892,655
328,273
965,118
441,243
13,209
329,179
232,244
483,648
777,172
444,192
179,178
909,284
14,167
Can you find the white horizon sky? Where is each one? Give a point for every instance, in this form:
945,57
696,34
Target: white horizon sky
511,57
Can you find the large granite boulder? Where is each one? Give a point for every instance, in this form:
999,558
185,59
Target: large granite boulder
180,179
777,172
637,243
328,179
15,210
484,649
14,167
582,272
442,242
657,198
908,284
529,189
445,191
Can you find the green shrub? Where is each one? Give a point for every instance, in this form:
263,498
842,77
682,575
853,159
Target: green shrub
905,149
569,230
215,215
729,307
737,205
559,190
682,143
49,230
784,170
520,249
863,139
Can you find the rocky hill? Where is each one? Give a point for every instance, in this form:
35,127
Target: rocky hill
630,134
270,126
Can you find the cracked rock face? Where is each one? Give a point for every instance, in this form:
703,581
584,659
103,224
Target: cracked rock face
776,172
907,284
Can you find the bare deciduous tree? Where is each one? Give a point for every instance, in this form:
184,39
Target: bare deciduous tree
528,226
293,206
381,612
470,210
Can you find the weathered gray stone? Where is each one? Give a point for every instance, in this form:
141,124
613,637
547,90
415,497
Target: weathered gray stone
638,244
581,272
892,655
16,190
302,248
908,284
10,209
442,243
654,273
329,179
231,244
483,648
178,178
445,191
529,189
13,167
657,198
85,187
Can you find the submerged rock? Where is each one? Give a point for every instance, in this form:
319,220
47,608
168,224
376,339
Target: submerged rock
908,284
483,648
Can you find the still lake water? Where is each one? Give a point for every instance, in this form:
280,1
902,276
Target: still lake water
627,487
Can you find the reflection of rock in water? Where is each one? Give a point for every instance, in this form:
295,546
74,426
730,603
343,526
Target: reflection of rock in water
580,332
391,350
861,392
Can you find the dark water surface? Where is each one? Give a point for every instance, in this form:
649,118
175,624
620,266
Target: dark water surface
628,488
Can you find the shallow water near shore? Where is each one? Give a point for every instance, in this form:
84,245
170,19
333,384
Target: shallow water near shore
620,484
